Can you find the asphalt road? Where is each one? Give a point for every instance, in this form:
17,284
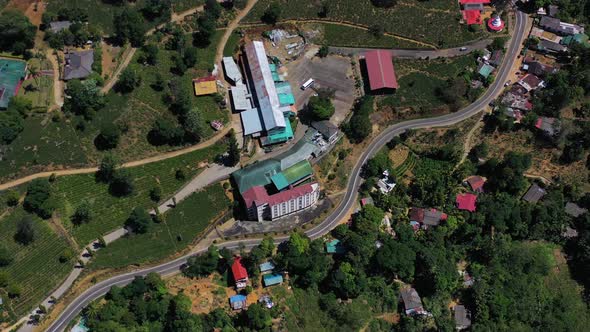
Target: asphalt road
101,288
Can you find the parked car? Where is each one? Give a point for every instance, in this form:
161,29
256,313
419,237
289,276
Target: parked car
463,49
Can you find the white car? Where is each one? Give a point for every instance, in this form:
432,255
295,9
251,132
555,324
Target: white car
463,49
507,83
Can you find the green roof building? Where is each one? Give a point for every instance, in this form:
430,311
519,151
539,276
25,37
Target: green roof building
579,38
293,175
485,70
258,174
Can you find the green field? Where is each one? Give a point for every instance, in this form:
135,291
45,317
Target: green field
101,13
435,22
40,89
420,80
36,267
111,212
232,44
347,36
182,224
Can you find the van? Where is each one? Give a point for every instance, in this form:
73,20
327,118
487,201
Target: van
307,84
463,49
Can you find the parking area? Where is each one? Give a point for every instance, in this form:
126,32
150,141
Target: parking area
332,72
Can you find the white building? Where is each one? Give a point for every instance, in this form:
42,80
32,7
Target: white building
261,206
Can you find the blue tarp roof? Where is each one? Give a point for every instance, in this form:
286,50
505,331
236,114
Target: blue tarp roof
266,266
272,279
237,298
251,121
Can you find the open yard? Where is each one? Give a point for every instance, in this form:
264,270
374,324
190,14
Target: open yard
349,36
111,212
101,13
434,22
180,227
39,89
36,268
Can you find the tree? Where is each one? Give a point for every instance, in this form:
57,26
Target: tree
377,165
12,198
258,318
130,27
384,3
181,100
66,255
190,57
156,193
233,150
128,81
83,213
84,98
205,29
17,33
377,30
479,151
149,54
108,138
122,183
396,259
213,8
139,220
38,198
193,124
359,127
20,105
107,168
272,14
11,125
5,256
14,290
323,51
202,265
157,9
320,108
4,279
25,231
165,132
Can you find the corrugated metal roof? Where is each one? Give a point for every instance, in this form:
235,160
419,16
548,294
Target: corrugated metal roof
272,279
380,70
258,174
231,69
239,96
286,99
266,266
251,121
264,85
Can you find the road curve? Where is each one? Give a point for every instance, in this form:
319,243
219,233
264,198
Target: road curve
101,288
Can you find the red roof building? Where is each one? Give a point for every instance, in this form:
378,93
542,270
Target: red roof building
476,183
466,202
380,70
239,272
472,16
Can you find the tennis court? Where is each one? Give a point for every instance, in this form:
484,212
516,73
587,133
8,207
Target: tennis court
12,73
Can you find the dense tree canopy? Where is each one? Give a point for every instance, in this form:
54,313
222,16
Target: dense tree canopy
130,27
320,108
17,33
38,199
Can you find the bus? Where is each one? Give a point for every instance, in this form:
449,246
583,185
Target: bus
307,84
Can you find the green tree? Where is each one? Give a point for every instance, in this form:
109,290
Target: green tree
14,290
321,108
233,150
396,259
11,125
157,9
109,136
129,27
25,231
12,198
83,213
38,199
129,80
202,265
20,105
121,183
84,98
17,33
149,54
5,256
359,127
165,132
384,3
323,51
139,221
213,8
156,193
258,318
205,29
272,14
190,57
193,124
107,168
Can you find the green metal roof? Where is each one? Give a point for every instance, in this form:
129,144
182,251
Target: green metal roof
292,174
486,70
283,135
258,174
286,99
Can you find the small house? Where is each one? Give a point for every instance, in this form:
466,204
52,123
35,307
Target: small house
548,46
327,129
59,26
476,183
205,86
427,217
412,302
485,70
238,302
574,209
78,64
239,273
534,194
462,317
266,267
496,58
272,279
531,82
549,126
367,201
466,202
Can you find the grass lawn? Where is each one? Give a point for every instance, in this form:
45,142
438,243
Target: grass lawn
101,13
46,144
36,267
420,80
110,212
346,36
39,90
182,224
232,44
435,22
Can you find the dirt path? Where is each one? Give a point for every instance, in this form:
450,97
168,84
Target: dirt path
160,157
230,29
468,140
538,177
355,25
58,85
129,56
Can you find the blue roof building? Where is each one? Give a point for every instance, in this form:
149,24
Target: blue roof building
266,267
272,279
238,302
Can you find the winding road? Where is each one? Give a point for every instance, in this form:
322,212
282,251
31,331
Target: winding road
354,182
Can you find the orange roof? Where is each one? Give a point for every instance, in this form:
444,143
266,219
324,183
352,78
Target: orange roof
205,85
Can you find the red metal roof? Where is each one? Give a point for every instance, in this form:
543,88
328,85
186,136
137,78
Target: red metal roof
285,196
238,269
466,202
380,70
476,182
255,194
472,16
464,2
204,79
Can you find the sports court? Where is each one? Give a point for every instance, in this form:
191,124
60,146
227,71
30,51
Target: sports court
12,72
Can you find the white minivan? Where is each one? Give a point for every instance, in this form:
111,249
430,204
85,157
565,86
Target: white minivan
307,84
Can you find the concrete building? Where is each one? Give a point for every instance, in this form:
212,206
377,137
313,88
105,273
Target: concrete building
262,206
